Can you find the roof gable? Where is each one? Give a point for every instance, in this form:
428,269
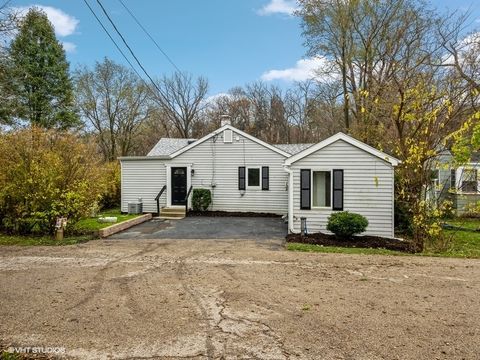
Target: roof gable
348,139
225,127
167,146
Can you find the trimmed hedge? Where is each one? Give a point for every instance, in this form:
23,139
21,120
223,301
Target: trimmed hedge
201,199
345,224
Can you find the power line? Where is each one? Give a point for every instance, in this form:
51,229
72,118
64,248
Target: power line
128,47
150,36
112,39
159,91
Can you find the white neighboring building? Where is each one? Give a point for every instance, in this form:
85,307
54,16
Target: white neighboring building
458,184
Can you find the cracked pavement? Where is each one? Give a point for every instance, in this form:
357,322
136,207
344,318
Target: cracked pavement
213,299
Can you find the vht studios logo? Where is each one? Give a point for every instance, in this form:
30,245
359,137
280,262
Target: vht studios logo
36,350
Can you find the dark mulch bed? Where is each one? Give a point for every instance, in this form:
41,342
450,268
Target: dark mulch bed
356,241
231,213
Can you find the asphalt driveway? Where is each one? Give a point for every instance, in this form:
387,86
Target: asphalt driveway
230,299
203,227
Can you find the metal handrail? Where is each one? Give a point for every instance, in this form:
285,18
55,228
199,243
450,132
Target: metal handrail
157,198
186,199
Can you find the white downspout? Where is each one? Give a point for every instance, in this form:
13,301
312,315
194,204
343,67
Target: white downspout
290,197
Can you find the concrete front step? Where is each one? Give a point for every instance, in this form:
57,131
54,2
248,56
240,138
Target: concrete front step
173,208
172,212
170,217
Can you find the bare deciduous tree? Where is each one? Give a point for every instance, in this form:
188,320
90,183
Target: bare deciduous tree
150,131
181,100
462,49
313,110
9,23
114,102
372,46
236,105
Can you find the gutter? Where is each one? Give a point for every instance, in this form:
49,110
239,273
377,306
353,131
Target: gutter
290,197
133,158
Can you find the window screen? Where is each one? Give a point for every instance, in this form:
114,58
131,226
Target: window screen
469,181
253,177
321,189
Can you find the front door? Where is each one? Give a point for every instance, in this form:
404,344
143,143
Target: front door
179,185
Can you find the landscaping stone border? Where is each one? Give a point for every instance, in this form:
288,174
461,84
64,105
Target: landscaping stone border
115,228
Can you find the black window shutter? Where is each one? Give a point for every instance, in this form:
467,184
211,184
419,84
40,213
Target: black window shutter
337,190
453,179
305,186
265,178
241,178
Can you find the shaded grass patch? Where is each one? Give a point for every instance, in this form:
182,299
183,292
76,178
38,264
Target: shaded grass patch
30,240
339,249
84,230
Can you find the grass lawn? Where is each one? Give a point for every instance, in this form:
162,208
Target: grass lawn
85,230
92,224
338,249
472,224
42,240
464,244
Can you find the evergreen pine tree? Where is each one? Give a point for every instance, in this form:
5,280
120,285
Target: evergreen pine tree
43,91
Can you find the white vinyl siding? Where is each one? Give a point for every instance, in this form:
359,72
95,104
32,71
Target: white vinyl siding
368,187
216,163
143,179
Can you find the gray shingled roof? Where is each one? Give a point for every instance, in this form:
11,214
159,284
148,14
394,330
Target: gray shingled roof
474,158
293,149
167,146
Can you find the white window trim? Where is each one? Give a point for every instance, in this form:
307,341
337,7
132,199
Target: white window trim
460,178
259,178
331,189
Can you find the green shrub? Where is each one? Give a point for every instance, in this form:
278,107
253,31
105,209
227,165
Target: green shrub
345,224
201,199
111,196
402,219
45,174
